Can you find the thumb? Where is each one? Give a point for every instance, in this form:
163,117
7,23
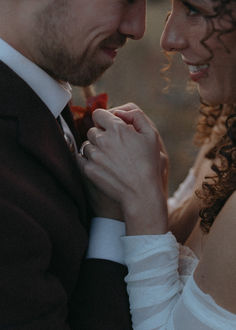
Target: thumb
136,118
81,162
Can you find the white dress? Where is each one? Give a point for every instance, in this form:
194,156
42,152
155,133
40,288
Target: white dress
184,191
162,290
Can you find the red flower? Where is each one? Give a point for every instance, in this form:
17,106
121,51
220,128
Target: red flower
83,116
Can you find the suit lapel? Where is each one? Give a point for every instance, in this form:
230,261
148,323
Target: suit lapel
39,133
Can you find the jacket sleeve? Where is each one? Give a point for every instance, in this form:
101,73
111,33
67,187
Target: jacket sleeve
102,300
30,296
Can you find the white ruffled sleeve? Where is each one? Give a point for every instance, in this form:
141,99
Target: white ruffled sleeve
159,298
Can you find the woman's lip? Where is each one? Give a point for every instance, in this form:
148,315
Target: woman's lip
197,70
112,52
194,64
201,73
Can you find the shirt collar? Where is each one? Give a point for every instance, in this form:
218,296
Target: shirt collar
54,94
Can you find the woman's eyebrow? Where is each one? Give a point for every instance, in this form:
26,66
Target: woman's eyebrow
204,4
200,2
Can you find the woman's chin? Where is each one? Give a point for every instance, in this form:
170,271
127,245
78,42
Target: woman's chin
214,97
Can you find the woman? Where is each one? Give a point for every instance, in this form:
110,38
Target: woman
172,286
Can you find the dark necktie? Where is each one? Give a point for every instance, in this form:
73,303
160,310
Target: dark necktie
67,116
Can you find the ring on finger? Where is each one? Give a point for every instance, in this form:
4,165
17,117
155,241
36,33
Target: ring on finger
84,144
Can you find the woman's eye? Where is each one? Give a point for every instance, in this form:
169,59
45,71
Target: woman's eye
192,11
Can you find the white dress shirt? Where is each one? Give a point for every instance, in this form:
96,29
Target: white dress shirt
56,95
52,93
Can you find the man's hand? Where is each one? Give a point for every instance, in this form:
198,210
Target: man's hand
102,205
123,158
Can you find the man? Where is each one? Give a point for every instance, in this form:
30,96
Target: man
43,211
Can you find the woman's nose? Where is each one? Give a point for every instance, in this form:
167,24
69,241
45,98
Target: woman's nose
173,37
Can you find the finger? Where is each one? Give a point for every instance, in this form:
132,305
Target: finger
88,160
81,161
90,152
136,118
100,177
125,107
94,135
82,148
104,119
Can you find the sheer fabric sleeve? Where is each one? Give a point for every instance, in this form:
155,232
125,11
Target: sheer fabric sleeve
159,297
183,192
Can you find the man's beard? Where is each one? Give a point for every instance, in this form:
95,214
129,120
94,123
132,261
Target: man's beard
57,54
81,70
78,71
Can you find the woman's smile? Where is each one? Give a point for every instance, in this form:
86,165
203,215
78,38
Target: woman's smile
206,44
197,71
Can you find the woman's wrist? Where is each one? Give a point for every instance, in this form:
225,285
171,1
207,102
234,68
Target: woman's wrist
150,228
145,213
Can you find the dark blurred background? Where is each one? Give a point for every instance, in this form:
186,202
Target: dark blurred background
136,77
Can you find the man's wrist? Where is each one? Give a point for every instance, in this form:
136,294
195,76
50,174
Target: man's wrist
104,240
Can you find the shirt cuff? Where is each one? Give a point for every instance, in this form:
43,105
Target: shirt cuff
104,240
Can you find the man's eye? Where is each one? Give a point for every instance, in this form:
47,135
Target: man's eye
192,11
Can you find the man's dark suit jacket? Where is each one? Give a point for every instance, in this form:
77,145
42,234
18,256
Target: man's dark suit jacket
45,283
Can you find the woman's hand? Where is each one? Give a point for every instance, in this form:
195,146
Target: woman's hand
124,160
164,155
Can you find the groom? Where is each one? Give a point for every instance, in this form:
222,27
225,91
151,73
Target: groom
45,283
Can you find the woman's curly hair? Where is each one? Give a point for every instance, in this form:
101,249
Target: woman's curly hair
216,189
219,119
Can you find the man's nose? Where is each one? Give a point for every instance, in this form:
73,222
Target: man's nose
133,22
174,34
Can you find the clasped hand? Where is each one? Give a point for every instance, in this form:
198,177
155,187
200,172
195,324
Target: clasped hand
125,160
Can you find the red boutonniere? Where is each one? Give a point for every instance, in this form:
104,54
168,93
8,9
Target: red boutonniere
83,115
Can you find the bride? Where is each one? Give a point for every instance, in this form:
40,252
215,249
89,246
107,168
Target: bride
173,286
